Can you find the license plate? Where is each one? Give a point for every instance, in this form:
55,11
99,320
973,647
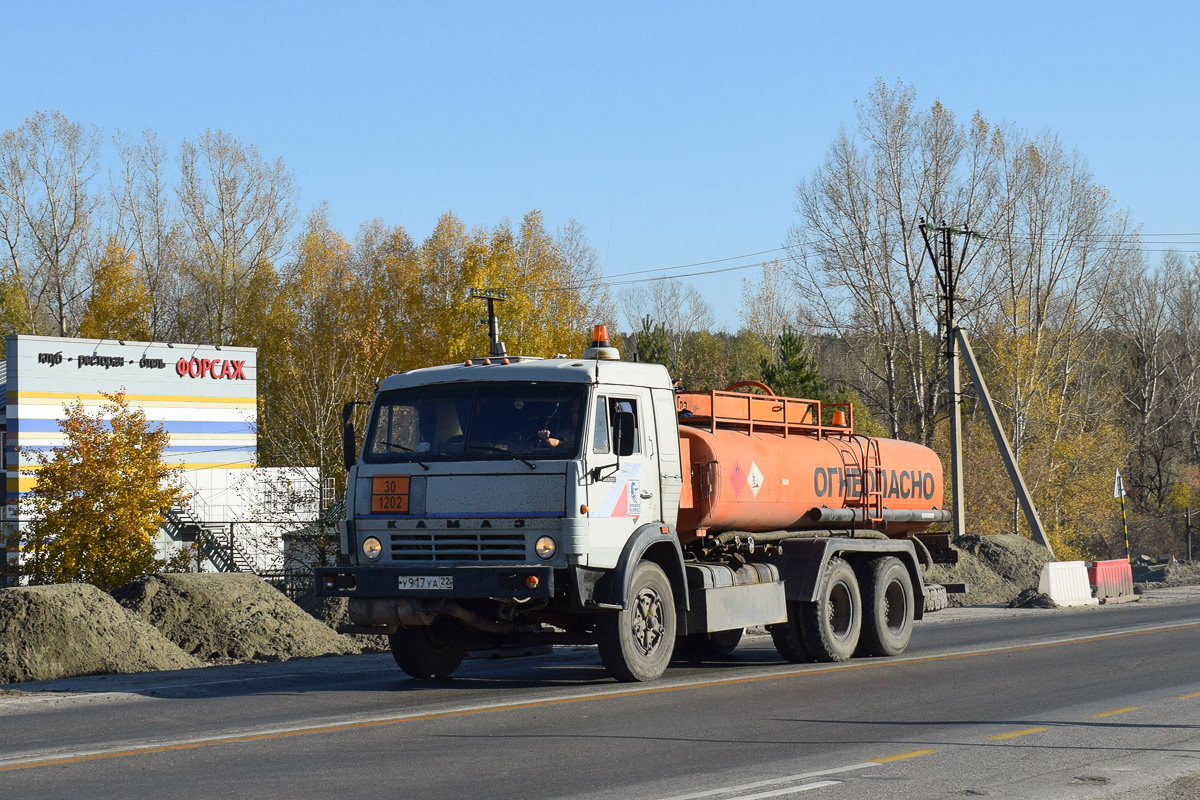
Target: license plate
441,582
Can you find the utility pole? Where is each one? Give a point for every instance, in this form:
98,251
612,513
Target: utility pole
957,346
496,348
947,279
1188,523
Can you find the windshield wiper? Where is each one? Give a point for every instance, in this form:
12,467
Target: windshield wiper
495,449
424,466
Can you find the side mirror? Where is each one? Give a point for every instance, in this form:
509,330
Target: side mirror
349,451
349,448
625,434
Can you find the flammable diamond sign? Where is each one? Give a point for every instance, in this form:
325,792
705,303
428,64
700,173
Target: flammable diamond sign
737,478
754,479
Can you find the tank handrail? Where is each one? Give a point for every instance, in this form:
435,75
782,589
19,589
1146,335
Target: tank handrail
764,413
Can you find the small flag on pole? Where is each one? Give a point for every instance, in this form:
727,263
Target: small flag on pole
1119,486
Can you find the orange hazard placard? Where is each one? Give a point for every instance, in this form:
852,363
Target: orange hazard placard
389,494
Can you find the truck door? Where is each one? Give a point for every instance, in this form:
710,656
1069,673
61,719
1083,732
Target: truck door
624,492
671,473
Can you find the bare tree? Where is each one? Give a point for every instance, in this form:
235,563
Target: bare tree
679,307
1152,317
586,271
237,212
859,259
1054,244
146,222
771,303
46,213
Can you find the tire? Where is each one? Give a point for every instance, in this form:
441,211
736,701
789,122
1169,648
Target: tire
429,651
888,607
935,597
830,626
636,644
721,643
699,646
788,639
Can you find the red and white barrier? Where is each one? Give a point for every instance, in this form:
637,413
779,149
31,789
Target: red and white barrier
1112,581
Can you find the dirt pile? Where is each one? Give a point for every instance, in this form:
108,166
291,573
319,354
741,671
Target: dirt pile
1171,573
996,569
49,632
224,617
332,612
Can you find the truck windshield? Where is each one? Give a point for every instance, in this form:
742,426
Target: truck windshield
483,421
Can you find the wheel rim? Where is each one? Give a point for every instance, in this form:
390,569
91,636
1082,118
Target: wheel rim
840,610
895,607
648,628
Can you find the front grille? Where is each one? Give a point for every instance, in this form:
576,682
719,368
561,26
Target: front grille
420,546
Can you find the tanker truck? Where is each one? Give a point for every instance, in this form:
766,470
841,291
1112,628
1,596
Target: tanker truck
514,502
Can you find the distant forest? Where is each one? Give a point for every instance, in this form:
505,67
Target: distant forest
1088,332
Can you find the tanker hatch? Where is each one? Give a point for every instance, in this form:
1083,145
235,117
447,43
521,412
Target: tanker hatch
601,346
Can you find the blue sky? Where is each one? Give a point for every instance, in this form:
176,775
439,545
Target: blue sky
675,132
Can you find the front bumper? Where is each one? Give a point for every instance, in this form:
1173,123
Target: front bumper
520,582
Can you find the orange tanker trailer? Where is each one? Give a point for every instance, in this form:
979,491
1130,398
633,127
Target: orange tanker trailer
759,463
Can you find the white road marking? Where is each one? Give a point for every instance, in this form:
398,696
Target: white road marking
789,790
745,787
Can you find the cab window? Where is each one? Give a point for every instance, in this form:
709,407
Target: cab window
600,434
617,405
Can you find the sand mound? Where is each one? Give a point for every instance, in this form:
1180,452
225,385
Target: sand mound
229,617
332,611
996,568
1172,573
49,632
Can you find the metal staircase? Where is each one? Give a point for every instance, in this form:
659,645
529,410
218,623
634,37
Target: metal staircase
214,541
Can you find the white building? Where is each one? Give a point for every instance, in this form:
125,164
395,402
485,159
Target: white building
206,398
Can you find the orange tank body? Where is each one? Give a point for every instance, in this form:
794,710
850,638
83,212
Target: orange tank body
789,474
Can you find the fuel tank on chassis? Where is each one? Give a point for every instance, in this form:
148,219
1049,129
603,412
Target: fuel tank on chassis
765,481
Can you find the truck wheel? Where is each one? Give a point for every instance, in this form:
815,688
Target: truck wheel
699,646
721,643
636,644
830,626
787,637
429,651
888,608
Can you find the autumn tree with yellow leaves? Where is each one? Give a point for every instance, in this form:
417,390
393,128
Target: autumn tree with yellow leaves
100,500
119,305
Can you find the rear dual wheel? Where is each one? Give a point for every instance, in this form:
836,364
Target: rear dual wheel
831,626
889,607
826,629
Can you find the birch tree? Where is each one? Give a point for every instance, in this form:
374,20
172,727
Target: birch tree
859,259
146,220
46,212
237,214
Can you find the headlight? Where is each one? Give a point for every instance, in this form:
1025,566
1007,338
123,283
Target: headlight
545,547
371,548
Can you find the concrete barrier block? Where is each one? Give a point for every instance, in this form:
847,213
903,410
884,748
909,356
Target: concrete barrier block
1066,583
1113,581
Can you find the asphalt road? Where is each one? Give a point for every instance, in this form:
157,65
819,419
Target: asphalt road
1070,703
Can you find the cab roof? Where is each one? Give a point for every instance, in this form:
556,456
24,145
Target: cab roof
533,370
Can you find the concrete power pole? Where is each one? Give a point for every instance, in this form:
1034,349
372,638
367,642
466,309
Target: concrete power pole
947,278
957,346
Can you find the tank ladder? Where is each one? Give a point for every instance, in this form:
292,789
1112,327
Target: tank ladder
873,486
